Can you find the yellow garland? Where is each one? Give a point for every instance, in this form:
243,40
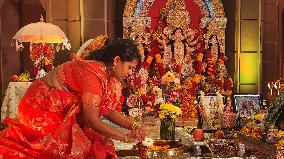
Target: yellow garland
280,144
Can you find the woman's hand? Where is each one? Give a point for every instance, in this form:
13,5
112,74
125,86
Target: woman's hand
138,134
129,138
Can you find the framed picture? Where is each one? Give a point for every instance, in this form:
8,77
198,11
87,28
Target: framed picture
211,106
211,98
247,105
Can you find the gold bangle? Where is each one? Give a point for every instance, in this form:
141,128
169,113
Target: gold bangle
126,139
134,126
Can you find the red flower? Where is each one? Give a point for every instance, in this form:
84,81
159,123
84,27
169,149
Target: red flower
198,68
41,49
144,97
152,97
138,82
160,68
227,83
209,55
219,83
145,64
35,70
49,67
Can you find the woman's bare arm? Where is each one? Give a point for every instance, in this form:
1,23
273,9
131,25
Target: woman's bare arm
91,116
120,120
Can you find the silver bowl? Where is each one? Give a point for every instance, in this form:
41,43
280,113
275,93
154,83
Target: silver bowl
175,151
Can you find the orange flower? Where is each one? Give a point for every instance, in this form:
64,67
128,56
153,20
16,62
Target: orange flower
199,57
149,59
158,58
196,78
228,92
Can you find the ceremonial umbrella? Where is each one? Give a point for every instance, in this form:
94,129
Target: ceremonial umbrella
41,32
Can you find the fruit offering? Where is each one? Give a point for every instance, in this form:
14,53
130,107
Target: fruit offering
198,135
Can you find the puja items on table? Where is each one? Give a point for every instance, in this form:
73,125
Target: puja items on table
160,149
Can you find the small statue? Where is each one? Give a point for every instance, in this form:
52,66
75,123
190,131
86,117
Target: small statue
178,46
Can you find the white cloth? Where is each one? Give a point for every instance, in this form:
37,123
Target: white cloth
13,95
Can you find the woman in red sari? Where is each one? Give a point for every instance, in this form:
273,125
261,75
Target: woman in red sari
59,116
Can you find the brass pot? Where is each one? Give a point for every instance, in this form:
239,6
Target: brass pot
175,151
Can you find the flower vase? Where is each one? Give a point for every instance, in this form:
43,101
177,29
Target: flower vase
167,128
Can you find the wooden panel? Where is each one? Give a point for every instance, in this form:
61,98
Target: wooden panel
111,9
270,52
270,71
74,35
73,10
11,63
93,28
94,9
270,13
250,9
249,88
250,35
59,9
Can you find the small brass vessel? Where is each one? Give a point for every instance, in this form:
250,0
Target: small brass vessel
175,151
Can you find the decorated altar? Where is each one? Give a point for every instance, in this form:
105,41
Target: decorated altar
182,45
183,59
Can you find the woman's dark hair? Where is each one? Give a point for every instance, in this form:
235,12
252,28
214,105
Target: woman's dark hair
126,49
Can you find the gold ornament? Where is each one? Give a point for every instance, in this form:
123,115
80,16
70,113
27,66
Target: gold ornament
129,8
219,9
177,17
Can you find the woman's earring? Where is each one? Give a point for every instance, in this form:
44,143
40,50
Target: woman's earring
113,67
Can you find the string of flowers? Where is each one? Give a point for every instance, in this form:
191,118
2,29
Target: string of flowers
210,65
189,87
154,53
220,102
204,104
188,105
41,49
42,55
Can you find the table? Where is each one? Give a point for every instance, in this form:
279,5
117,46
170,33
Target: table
13,95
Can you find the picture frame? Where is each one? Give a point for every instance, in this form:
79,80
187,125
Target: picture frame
246,106
211,96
